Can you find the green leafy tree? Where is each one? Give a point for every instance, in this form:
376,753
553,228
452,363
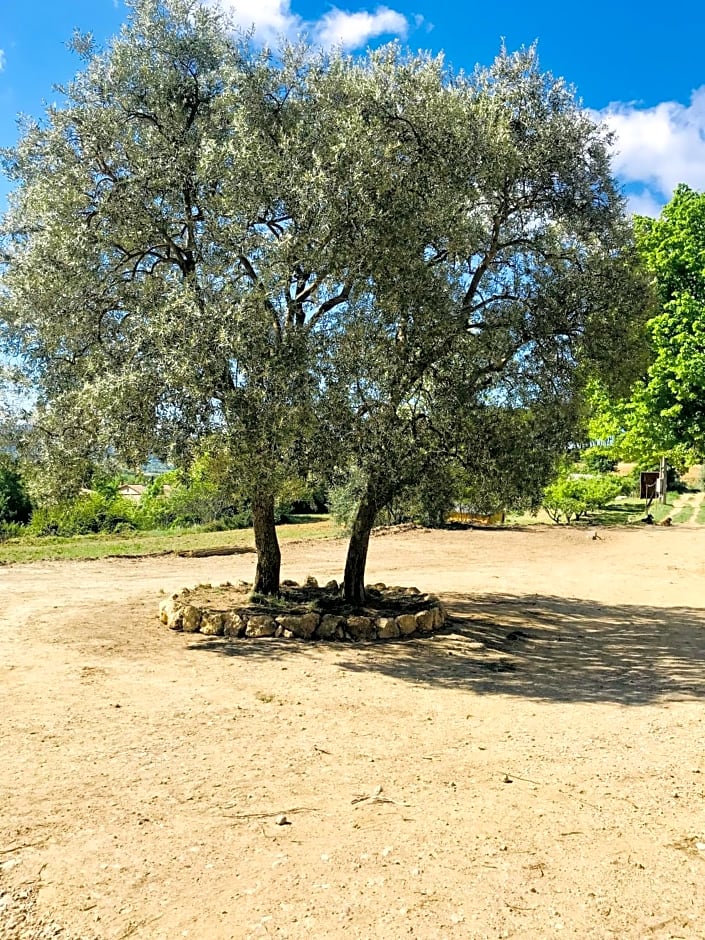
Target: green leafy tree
572,497
665,413
673,397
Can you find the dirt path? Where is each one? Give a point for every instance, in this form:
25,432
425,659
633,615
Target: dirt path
541,763
692,501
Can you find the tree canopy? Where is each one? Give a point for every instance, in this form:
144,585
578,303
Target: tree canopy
665,413
312,260
517,283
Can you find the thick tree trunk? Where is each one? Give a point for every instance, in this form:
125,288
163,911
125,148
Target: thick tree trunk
266,543
354,579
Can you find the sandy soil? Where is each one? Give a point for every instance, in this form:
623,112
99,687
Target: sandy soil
536,771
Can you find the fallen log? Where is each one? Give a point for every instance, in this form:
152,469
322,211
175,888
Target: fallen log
207,552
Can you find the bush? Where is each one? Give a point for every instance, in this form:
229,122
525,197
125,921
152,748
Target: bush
599,460
85,515
300,497
572,498
11,530
15,505
630,484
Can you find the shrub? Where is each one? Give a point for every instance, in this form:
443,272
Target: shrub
599,460
298,496
11,530
572,498
630,483
88,513
15,505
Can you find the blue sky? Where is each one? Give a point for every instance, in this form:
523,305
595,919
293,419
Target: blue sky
638,66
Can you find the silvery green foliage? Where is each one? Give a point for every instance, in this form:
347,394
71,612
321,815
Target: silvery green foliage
309,258
172,249
506,274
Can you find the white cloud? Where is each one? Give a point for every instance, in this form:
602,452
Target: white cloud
658,147
644,202
272,19
2,59
352,30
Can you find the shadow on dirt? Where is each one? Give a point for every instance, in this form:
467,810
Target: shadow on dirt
561,649
541,647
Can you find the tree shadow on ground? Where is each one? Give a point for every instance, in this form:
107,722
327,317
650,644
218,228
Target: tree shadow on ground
537,647
553,648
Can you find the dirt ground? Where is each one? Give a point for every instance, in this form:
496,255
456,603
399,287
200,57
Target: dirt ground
535,771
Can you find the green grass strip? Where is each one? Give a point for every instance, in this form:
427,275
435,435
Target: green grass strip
53,548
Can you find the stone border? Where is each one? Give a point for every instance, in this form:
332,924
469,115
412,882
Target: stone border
182,612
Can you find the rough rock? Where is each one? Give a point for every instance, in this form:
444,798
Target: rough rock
170,613
260,625
387,628
332,586
331,627
212,623
406,624
380,586
287,582
425,621
300,621
233,624
361,628
165,608
311,582
300,625
190,619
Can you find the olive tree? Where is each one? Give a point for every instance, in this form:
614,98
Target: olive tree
504,278
179,235
311,259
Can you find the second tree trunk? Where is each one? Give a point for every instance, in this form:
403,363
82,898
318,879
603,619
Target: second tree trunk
267,544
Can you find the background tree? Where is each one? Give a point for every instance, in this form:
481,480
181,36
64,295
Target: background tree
664,414
673,251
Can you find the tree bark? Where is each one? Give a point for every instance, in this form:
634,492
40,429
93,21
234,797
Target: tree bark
354,578
266,543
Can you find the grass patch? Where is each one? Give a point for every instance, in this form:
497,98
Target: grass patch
628,511
621,512
700,515
51,548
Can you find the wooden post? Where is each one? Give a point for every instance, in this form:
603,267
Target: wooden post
663,479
